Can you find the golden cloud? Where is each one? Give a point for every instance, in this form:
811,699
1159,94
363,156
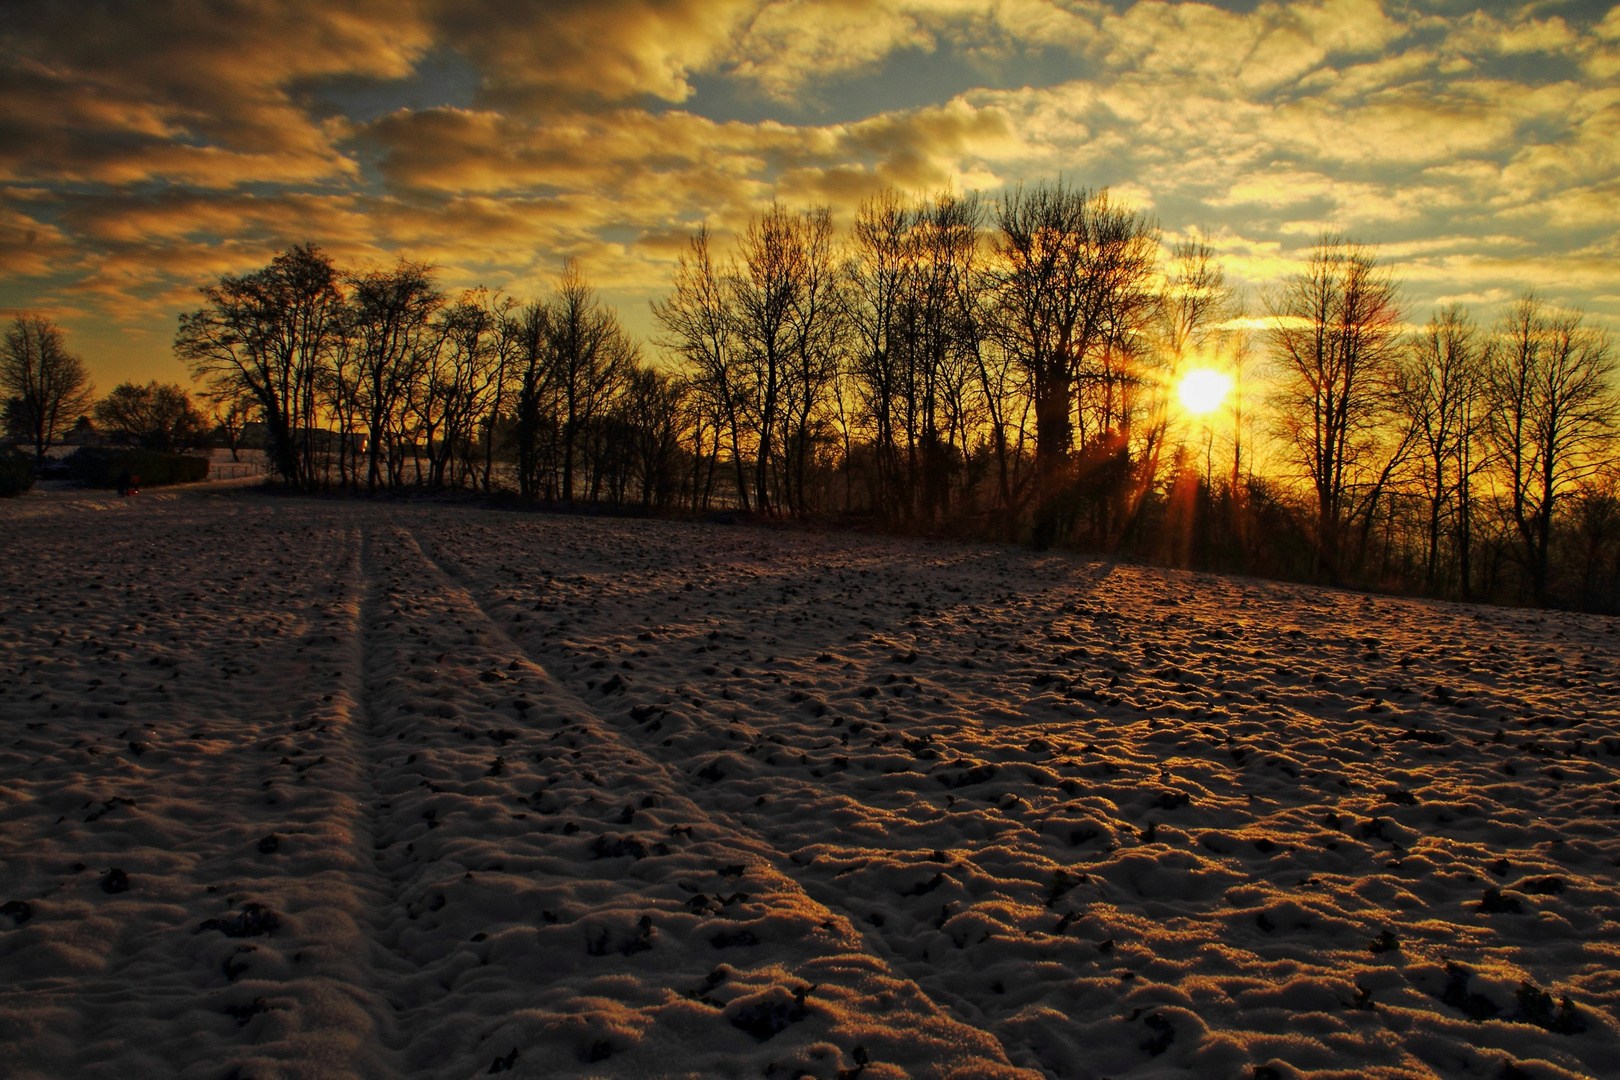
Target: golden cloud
790,45
534,57
30,247
146,156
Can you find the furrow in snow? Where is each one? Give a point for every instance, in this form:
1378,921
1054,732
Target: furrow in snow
1120,822
563,899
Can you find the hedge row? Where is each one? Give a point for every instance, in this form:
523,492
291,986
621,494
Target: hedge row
16,472
100,466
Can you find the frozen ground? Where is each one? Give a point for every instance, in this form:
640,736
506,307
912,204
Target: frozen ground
304,788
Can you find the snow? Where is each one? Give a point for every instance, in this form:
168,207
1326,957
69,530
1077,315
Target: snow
398,790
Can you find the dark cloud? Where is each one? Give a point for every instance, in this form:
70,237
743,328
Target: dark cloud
180,92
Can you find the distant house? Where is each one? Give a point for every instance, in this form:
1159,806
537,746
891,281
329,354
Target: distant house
84,433
323,440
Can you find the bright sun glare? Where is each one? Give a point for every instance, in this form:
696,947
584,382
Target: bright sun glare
1203,389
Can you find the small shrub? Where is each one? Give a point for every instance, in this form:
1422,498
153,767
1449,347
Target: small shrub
16,472
99,466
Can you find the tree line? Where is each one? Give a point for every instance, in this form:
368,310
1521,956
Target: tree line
48,395
1009,369
1005,368
379,379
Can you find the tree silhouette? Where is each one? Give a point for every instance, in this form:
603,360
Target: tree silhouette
698,324
880,268
231,413
390,318
1551,414
591,356
156,416
1440,395
1008,377
1075,279
915,311
269,334
1335,335
46,387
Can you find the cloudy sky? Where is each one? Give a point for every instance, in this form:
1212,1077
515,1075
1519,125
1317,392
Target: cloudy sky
147,147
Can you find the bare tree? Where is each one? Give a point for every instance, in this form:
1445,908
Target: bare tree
341,398
426,403
464,382
156,416
46,387
697,320
530,334
951,301
230,413
591,355
1596,536
1439,396
652,409
1009,408
1075,277
764,294
391,313
1043,306
814,354
879,271
703,428
269,334
916,297
1551,418
1335,335
508,347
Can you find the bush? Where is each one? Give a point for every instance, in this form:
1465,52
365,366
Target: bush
99,466
16,472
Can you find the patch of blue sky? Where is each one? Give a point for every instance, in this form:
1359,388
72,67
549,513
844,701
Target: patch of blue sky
905,79
442,78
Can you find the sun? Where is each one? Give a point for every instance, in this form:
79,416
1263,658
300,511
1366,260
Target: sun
1203,389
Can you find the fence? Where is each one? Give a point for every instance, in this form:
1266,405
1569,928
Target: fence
234,470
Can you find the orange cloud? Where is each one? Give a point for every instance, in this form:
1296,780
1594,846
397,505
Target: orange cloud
535,57
142,156
30,247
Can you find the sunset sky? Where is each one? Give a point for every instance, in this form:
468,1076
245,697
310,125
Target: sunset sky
146,148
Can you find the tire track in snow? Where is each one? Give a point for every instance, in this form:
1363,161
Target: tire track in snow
233,948
893,867
1287,882
564,899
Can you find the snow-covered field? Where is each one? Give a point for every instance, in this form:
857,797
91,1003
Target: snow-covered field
312,788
